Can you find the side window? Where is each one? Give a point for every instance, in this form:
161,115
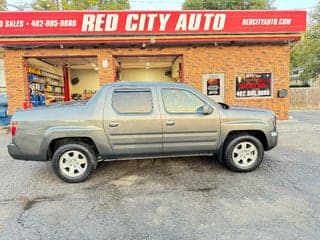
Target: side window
181,101
132,101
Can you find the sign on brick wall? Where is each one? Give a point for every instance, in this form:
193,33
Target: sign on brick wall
69,23
254,85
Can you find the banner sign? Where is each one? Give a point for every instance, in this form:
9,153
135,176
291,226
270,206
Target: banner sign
74,23
254,84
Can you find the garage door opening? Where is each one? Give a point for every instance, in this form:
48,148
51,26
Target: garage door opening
55,79
166,68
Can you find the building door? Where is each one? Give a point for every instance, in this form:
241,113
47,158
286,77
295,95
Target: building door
213,86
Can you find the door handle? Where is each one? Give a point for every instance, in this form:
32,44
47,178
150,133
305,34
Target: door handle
170,122
113,124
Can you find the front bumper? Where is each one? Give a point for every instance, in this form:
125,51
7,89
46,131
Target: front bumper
273,139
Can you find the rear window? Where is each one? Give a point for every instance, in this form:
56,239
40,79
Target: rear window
132,101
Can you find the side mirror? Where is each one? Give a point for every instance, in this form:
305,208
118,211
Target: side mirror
207,109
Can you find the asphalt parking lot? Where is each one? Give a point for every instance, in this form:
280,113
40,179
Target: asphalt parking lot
189,198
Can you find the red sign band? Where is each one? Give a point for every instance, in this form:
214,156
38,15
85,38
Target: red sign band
69,23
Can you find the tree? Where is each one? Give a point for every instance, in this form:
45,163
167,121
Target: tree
306,54
80,5
3,5
45,5
227,4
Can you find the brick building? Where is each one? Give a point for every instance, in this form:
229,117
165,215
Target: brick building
237,57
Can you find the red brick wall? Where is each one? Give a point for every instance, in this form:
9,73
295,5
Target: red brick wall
230,60
15,79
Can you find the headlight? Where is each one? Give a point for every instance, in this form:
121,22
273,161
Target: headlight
274,121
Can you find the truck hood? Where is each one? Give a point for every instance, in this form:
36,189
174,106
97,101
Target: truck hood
248,109
247,114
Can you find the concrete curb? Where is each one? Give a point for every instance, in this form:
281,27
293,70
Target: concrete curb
282,122
290,120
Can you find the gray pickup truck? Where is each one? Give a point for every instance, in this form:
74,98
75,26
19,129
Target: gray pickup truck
128,120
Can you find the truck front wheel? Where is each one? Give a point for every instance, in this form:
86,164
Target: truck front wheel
74,162
243,153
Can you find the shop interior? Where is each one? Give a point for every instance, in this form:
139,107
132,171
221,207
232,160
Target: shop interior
59,79
56,79
149,68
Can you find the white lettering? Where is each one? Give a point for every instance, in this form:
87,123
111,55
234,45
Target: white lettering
130,25
14,23
88,22
210,21
260,21
219,21
147,22
142,22
181,23
99,22
285,21
164,18
208,18
67,23
95,22
194,22
151,21
111,22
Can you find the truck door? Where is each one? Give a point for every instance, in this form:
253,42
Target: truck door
132,121
190,124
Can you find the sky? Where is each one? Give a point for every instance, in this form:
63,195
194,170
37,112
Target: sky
176,4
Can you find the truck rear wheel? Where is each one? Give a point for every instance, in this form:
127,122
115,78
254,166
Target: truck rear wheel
74,162
243,153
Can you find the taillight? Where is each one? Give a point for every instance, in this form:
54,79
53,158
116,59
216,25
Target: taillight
13,128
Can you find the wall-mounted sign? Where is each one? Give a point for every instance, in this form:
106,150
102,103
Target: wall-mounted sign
213,85
74,23
254,85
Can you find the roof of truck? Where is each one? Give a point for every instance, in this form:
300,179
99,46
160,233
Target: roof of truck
149,84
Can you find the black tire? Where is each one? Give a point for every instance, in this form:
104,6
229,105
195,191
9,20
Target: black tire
74,162
243,153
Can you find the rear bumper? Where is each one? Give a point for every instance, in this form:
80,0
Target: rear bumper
15,153
273,140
